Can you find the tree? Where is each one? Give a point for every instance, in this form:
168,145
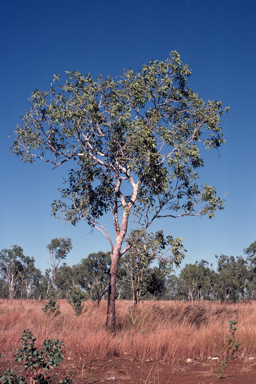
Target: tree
14,265
92,274
145,248
189,278
42,283
33,277
65,279
232,275
135,143
251,262
58,248
156,281
251,250
26,268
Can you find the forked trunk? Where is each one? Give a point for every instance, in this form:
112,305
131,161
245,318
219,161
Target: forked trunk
115,257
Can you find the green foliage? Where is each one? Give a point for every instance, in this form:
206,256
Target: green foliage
92,274
197,279
142,130
251,251
134,317
11,377
65,279
144,249
36,361
232,345
75,299
58,248
232,275
51,308
16,268
157,279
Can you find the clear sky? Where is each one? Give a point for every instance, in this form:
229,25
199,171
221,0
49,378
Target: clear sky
216,38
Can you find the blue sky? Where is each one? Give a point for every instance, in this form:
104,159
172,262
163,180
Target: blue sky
217,39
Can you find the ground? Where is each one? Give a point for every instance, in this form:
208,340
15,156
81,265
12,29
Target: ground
133,371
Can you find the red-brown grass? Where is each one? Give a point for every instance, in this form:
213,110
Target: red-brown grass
153,330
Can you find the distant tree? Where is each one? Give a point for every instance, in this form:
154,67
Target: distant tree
232,276
156,280
189,280
32,281
3,286
42,283
172,287
136,142
251,251
146,248
58,248
25,268
206,279
12,268
92,274
65,279
251,266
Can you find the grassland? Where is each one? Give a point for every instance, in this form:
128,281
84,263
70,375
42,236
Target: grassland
154,330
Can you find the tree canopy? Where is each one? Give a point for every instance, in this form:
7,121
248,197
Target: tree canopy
136,144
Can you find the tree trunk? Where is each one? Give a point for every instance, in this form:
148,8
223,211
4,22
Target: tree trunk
132,281
245,289
115,257
21,291
111,320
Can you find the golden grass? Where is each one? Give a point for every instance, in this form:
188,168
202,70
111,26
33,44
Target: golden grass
154,330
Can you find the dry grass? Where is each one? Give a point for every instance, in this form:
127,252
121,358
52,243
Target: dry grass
154,330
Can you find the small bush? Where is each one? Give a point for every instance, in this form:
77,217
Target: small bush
75,299
11,377
36,361
51,308
232,347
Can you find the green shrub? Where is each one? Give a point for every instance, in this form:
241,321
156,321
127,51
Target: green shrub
232,347
51,308
37,362
75,299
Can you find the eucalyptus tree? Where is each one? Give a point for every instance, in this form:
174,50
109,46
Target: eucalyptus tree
251,251
58,249
156,281
135,144
92,274
32,281
146,248
12,268
189,280
26,269
251,265
232,276
65,279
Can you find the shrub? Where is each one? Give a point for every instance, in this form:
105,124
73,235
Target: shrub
75,299
36,361
51,308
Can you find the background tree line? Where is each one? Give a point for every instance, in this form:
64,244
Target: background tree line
146,272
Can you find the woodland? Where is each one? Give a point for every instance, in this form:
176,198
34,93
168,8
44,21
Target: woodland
143,275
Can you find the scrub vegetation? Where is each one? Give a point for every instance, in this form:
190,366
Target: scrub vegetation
170,331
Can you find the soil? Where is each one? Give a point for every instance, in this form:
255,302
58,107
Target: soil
133,371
